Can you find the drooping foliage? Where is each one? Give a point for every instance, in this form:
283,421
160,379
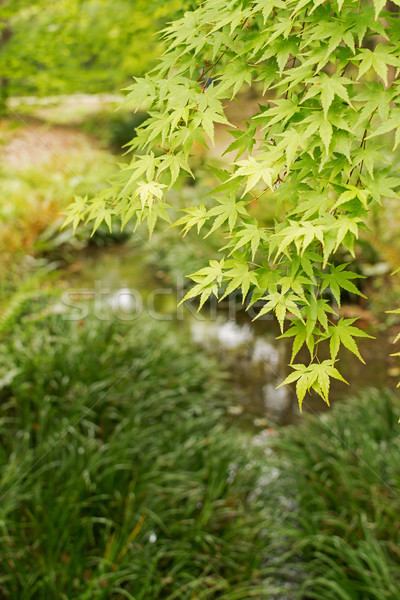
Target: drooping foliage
328,74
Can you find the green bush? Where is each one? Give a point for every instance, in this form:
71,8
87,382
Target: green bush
345,474
118,477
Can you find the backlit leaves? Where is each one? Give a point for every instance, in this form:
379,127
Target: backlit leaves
280,304
312,150
315,376
343,333
338,279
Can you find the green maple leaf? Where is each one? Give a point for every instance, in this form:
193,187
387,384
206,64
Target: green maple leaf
228,209
327,88
196,217
267,280
379,59
148,191
281,304
214,272
339,279
294,282
98,212
343,231
174,163
342,334
390,124
250,233
257,171
382,185
208,118
141,165
151,215
349,194
75,213
282,112
208,279
301,336
240,276
244,141
317,310
315,376
301,234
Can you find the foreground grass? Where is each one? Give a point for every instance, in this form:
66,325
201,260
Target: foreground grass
118,479
345,474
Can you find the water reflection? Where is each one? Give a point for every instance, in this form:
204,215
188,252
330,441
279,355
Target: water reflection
228,334
256,363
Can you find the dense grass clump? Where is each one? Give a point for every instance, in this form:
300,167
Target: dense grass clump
118,477
345,471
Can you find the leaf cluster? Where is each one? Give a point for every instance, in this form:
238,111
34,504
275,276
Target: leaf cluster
328,75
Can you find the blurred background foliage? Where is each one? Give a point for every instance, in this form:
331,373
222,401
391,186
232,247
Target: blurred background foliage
91,46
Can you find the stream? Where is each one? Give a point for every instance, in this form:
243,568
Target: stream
256,361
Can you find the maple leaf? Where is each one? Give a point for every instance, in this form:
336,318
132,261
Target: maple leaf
378,59
228,209
281,304
282,111
196,217
301,336
208,279
327,88
342,334
240,276
267,280
302,234
75,213
147,191
256,171
251,234
317,313
174,163
315,376
339,279
98,212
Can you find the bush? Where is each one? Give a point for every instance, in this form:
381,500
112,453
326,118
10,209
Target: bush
119,479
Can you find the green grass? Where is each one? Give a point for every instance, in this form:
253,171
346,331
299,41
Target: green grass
345,471
118,477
